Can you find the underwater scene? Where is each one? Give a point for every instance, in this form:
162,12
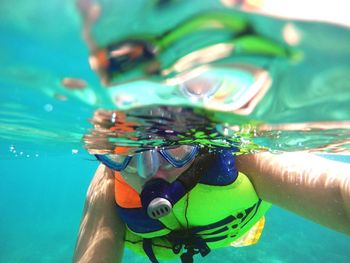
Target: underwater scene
81,79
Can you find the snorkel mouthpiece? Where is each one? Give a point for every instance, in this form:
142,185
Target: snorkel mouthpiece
158,196
159,207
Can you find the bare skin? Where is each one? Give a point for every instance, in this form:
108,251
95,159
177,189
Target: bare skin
310,186
101,235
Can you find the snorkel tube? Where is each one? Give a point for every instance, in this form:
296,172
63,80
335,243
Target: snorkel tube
159,196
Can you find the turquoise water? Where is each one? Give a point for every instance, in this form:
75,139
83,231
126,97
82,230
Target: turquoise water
42,198
45,169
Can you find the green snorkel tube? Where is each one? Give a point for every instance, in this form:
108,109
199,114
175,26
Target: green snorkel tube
142,53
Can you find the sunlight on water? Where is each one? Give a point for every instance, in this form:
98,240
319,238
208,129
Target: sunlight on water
244,86
257,83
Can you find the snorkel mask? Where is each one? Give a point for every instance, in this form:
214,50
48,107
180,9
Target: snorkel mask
145,164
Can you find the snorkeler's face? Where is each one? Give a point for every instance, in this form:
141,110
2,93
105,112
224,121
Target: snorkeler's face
168,174
165,163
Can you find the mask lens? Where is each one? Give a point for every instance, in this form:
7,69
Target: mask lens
114,161
179,156
118,159
131,168
147,163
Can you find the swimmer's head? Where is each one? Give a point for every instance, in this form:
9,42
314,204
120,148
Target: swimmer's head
165,163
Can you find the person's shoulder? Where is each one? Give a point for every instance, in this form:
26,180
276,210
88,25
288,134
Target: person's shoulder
104,171
103,179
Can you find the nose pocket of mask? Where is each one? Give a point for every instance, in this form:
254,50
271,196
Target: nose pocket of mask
147,163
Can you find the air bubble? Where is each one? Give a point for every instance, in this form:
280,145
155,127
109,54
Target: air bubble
48,107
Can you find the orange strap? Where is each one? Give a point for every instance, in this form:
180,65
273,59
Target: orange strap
125,195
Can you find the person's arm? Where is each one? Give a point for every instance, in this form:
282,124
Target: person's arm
311,186
101,235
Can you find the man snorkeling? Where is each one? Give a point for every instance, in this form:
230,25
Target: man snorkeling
185,200
308,185
179,201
